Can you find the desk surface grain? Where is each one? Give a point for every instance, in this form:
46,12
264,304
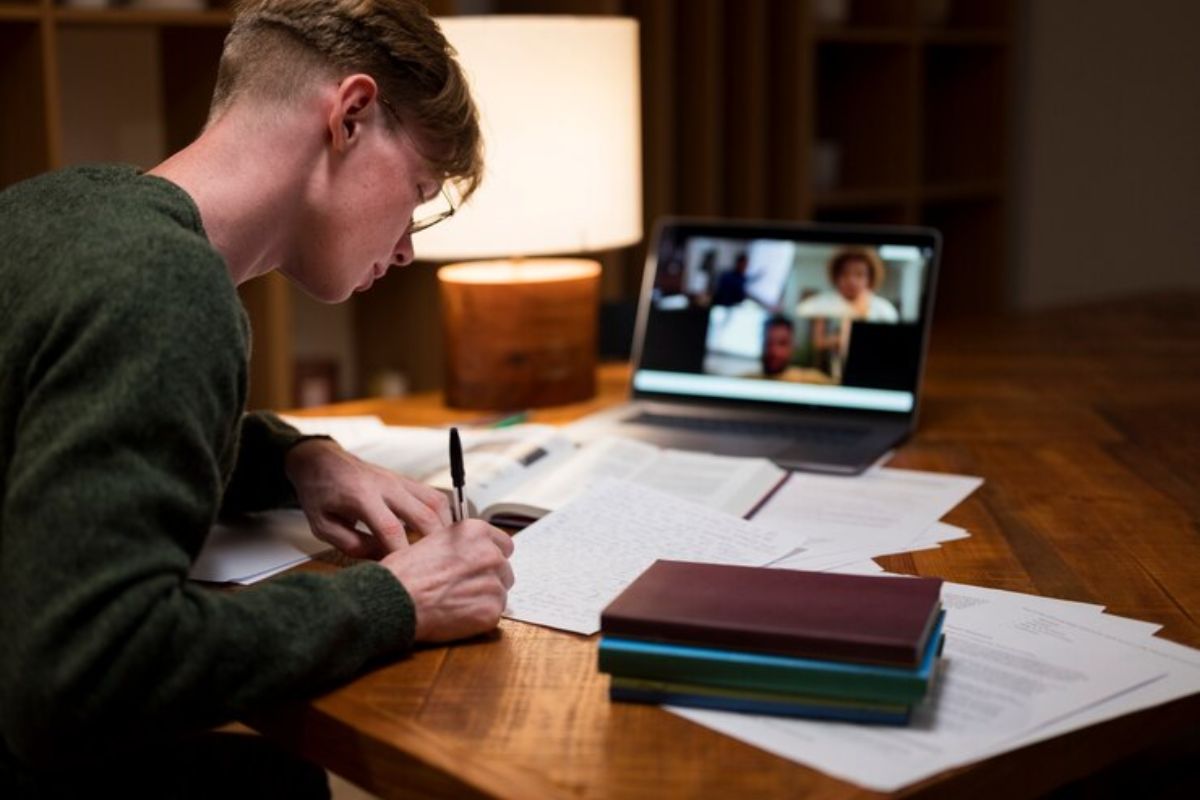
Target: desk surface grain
1085,424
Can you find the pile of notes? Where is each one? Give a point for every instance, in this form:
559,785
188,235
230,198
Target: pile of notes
779,642
1017,669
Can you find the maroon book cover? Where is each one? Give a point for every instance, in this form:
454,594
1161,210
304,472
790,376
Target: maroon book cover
821,615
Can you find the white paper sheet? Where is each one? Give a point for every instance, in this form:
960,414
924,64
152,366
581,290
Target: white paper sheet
940,532
1183,679
256,548
572,563
848,519
348,431
1008,671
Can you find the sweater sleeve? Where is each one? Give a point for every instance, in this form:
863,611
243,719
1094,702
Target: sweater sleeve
259,481
116,472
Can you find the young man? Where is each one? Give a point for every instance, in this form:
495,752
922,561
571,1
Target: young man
122,437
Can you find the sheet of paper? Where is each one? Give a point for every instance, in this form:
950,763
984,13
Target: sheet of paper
1182,680
961,598
349,431
1007,672
255,548
883,510
867,567
940,532
827,556
572,563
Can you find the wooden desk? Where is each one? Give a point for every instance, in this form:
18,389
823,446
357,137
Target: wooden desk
1085,424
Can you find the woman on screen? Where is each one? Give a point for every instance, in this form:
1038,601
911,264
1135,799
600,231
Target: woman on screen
855,273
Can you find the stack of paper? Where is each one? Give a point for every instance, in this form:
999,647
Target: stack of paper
255,548
846,521
1017,669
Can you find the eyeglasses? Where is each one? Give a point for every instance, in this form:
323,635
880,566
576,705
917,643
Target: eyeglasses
435,210
431,213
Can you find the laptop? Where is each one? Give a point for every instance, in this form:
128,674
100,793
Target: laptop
802,343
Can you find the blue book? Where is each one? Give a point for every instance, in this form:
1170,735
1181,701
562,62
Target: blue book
638,690
741,669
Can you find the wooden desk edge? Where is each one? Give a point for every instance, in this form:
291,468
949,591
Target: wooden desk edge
424,763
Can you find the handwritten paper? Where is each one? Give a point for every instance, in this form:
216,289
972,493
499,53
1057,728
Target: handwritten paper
572,563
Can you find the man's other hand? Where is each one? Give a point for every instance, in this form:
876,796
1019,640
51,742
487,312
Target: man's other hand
458,579
339,492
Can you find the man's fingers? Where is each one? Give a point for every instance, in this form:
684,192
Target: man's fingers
344,538
387,529
506,575
417,514
502,540
432,499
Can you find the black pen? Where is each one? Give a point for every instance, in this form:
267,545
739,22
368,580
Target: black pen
458,475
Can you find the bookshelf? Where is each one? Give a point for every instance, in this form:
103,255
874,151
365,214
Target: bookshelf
61,63
915,96
745,104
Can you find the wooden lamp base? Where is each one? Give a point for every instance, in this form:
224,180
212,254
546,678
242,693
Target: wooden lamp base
519,334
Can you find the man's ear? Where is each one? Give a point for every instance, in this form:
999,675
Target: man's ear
354,101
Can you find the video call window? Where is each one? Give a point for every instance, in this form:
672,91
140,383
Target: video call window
785,310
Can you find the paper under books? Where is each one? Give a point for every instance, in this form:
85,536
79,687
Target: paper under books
518,474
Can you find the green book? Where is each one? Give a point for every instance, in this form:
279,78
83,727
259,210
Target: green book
741,669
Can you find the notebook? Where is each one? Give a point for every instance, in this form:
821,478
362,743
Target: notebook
802,343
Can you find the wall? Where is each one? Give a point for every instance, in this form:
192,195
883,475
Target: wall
1108,150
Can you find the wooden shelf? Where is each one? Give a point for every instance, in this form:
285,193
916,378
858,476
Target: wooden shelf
149,17
14,13
894,113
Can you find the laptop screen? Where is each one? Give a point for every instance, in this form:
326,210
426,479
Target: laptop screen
786,315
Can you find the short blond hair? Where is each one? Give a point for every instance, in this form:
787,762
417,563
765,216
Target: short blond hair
275,46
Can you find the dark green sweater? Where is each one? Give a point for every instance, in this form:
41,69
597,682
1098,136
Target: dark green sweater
123,352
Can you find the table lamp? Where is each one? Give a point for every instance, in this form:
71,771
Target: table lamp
558,98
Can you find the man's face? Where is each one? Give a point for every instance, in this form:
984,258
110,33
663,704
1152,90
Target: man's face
777,349
853,279
358,217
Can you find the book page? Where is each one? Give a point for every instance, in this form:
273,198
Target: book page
499,460
412,452
734,485
610,457
571,564
496,459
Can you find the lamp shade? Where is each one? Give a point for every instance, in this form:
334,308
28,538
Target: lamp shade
558,98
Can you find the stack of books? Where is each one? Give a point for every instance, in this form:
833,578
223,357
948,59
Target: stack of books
774,641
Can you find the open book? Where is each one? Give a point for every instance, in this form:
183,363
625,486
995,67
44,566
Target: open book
518,474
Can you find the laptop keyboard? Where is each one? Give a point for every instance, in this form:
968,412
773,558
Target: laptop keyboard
807,432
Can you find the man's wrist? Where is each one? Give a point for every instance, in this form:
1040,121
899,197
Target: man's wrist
303,449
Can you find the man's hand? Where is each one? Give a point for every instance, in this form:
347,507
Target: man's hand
458,579
338,491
